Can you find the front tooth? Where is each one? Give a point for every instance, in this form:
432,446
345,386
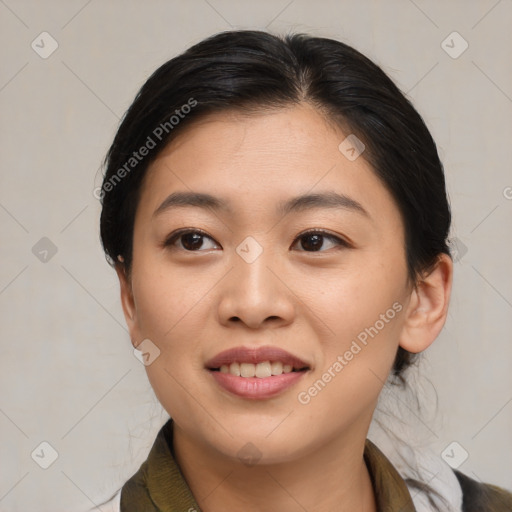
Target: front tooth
263,370
276,368
234,369
247,370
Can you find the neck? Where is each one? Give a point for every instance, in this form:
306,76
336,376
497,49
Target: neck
333,478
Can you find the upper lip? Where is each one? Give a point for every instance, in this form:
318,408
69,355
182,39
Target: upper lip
255,356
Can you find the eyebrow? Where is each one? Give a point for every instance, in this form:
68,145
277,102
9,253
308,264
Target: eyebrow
332,200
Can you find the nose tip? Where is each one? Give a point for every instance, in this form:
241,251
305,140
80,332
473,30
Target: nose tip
254,294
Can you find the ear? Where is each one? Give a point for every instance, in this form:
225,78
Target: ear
128,302
428,308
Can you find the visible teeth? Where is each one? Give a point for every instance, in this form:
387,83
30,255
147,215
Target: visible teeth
234,369
247,370
260,370
277,368
263,370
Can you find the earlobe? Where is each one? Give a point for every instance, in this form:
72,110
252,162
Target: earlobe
428,307
127,300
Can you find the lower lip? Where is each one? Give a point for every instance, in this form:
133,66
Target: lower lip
256,388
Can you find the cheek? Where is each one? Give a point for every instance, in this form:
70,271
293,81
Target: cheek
348,302
173,308
361,313
357,359
165,297
169,311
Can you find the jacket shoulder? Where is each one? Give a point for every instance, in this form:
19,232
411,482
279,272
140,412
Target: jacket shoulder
482,497
135,495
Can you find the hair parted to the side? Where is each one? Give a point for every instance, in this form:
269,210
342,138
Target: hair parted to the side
253,71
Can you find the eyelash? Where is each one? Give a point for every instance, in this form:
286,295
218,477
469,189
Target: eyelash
176,235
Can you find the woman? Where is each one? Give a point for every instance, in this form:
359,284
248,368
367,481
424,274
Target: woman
276,212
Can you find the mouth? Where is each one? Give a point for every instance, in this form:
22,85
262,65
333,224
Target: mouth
260,370
256,373
260,362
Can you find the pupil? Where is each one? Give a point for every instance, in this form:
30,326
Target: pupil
192,241
317,243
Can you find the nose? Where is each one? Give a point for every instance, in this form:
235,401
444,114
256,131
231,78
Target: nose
256,292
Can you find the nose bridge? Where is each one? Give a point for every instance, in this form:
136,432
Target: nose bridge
251,266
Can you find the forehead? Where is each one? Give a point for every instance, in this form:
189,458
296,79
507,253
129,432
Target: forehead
261,137
256,161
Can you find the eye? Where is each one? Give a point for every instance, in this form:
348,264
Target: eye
314,240
191,240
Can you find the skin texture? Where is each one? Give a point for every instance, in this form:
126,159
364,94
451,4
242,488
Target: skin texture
313,303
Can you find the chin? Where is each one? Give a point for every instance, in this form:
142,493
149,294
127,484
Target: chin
260,443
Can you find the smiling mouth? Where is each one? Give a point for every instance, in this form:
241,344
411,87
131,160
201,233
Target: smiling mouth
262,370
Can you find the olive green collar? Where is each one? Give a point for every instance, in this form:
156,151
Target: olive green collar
159,485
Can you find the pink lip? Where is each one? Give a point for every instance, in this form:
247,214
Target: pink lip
256,388
254,356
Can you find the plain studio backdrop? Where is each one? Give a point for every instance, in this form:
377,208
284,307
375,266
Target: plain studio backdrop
74,398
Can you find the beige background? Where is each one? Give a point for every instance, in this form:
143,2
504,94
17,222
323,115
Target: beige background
68,375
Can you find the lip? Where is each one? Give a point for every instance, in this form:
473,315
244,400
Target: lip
255,355
256,388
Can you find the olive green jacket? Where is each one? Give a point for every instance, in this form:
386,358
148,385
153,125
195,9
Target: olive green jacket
159,486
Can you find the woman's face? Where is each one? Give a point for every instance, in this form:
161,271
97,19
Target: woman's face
258,274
